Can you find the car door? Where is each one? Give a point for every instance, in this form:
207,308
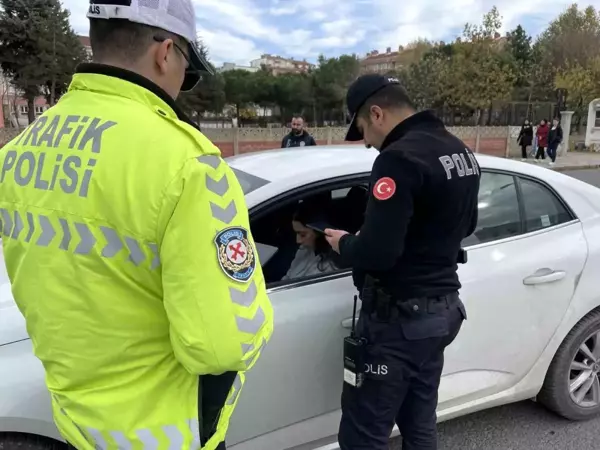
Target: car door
299,376
524,260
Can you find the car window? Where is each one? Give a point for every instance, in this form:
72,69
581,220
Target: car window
498,209
339,193
541,207
282,258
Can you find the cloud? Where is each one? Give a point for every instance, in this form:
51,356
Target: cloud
240,30
238,50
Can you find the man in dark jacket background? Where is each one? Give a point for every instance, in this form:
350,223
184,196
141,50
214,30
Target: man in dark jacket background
555,137
298,137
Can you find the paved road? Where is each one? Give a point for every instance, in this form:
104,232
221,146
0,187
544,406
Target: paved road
523,426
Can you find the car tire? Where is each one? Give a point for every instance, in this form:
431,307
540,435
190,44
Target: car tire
18,441
555,394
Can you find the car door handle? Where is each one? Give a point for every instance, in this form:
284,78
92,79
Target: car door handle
347,323
544,276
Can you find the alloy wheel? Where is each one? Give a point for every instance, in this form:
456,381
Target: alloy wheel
584,381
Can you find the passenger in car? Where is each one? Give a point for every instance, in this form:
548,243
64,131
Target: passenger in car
314,256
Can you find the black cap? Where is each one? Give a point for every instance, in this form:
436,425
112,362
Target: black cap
359,92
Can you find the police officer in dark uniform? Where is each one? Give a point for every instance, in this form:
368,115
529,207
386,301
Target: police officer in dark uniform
423,203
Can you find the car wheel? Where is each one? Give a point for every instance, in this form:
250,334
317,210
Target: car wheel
572,385
18,441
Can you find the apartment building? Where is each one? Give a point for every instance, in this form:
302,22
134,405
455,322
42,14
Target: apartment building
376,62
232,66
279,65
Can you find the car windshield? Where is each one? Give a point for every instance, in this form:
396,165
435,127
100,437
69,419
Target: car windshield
249,182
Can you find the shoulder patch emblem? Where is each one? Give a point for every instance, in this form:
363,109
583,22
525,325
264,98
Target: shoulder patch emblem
384,188
235,253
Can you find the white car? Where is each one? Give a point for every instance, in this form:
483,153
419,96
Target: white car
529,286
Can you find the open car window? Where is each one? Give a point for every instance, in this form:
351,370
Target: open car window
282,259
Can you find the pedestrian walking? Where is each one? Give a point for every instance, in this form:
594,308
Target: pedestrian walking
525,138
126,239
423,203
542,139
555,137
298,137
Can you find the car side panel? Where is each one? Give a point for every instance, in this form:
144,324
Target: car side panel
300,373
25,401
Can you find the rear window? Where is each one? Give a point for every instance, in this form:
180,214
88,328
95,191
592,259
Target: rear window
249,182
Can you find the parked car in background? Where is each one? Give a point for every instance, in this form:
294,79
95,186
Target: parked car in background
530,288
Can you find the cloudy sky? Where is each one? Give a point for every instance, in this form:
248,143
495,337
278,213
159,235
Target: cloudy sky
240,30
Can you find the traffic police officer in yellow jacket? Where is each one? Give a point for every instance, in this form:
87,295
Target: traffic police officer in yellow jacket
127,242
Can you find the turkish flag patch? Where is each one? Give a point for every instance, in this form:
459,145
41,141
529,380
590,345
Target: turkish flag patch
384,188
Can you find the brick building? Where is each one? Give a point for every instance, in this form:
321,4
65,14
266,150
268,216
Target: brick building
375,62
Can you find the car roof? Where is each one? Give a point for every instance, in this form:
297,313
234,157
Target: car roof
306,165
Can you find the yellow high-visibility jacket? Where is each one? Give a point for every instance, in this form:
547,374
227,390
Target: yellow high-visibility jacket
127,243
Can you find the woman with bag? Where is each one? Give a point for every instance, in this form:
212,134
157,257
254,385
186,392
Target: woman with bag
525,138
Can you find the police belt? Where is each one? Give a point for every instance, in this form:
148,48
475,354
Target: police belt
375,301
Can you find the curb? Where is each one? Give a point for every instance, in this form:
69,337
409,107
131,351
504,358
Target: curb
577,167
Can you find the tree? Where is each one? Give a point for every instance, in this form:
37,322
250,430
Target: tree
425,79
264,92
487,30
38,49
480,71
519,46
414,52
332,78
569,49
238,89
572,38
582,84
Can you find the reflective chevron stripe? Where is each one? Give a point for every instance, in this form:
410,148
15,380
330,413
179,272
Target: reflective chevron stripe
122,442
18,226
66,235
218,187
245,299
7,221
149,441
253,325
193,425
30,227
235,390
242,298
210,160
168,437
78,237
88,240
249,349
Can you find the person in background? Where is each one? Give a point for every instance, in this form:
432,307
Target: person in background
314,256
555,137
525,138
298,137
542,139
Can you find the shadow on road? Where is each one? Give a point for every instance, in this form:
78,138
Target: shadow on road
522,426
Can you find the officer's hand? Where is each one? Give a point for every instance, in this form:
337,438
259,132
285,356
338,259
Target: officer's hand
333,237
